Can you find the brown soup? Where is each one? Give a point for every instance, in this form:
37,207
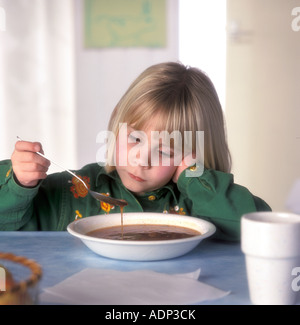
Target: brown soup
144,232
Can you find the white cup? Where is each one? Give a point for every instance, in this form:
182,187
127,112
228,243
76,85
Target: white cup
271,244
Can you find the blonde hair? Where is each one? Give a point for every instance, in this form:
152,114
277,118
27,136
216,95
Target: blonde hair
185,99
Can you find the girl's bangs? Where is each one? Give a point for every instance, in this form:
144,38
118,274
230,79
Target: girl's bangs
140,115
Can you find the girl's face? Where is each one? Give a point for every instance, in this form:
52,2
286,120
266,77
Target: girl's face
143,165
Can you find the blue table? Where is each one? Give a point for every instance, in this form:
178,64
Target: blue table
61,255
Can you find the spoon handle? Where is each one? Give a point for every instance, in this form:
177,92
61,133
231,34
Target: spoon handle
63,168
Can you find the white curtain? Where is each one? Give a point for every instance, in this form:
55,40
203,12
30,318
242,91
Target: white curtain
37,77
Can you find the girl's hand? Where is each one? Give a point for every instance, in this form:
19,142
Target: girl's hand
29,167
186,162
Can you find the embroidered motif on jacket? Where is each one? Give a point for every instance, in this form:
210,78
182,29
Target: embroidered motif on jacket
78,188
105,206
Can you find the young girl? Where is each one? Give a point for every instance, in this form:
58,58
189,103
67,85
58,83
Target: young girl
152,171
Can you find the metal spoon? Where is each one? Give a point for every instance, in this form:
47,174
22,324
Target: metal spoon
100,197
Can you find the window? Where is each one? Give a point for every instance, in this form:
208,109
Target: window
202,39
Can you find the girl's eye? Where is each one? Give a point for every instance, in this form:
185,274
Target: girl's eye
166,154
133,139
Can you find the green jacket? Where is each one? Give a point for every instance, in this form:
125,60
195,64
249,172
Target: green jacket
61,198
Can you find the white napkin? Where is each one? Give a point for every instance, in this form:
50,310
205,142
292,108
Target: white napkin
111,287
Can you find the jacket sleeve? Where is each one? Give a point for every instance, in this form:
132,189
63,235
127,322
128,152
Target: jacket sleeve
15,201
215,197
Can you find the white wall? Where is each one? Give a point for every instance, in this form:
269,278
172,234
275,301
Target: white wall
103,75
262,106
202,39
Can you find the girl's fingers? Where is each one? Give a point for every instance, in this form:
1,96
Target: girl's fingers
26,152
28,166
28,146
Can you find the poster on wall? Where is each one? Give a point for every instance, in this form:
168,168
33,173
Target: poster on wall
124,23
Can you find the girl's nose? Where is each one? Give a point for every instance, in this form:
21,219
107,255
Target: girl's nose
145,162
143,159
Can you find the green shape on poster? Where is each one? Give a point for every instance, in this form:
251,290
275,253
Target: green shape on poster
125,23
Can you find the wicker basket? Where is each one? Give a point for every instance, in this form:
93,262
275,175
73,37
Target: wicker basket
23,291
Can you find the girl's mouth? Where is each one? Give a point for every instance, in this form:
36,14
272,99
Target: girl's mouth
136,178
